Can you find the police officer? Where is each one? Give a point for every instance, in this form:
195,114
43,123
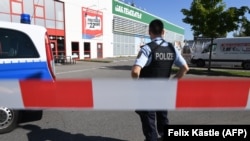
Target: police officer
155,60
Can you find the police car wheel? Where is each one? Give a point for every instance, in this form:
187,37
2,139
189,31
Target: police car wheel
8,119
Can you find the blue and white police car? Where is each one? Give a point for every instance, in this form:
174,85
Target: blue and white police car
25,53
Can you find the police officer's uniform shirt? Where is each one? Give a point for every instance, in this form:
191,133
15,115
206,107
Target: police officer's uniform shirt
143,58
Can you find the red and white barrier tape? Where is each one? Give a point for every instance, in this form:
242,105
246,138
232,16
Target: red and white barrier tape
126,94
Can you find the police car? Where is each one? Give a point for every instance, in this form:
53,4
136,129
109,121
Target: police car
25,53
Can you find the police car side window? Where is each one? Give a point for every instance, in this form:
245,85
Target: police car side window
15,44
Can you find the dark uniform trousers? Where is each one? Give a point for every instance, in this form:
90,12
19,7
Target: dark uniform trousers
153,121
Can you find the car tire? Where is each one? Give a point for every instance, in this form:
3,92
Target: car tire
200,63
246,65
8,119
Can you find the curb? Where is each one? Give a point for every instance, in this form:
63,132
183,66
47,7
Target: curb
109,60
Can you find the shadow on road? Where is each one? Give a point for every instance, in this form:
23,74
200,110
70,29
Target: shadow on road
123,67
196,71
52,134
217,72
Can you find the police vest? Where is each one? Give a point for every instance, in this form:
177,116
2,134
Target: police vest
162,60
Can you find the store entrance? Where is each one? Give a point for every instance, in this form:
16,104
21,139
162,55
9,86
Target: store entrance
87,50
75,50
53,45
99,50
57,45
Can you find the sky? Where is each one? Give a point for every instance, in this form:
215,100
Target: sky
170,10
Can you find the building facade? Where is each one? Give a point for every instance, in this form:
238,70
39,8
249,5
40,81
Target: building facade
89,29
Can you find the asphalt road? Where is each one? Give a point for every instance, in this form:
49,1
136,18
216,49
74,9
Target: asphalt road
88,125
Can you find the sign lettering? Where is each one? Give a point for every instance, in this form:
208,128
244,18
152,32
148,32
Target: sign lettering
128,11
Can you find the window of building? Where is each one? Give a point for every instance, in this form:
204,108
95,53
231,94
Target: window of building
50,10
60,45
39,11
16,6
59,15
75,49
50,14
54,14
87,50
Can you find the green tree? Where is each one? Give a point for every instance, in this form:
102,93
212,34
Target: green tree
208,18
246,26
244,29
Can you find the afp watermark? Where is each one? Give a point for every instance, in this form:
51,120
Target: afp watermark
215,132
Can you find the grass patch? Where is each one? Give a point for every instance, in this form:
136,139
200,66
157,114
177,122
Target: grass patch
216,72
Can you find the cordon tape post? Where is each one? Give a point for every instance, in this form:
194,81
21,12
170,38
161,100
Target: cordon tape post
126,94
